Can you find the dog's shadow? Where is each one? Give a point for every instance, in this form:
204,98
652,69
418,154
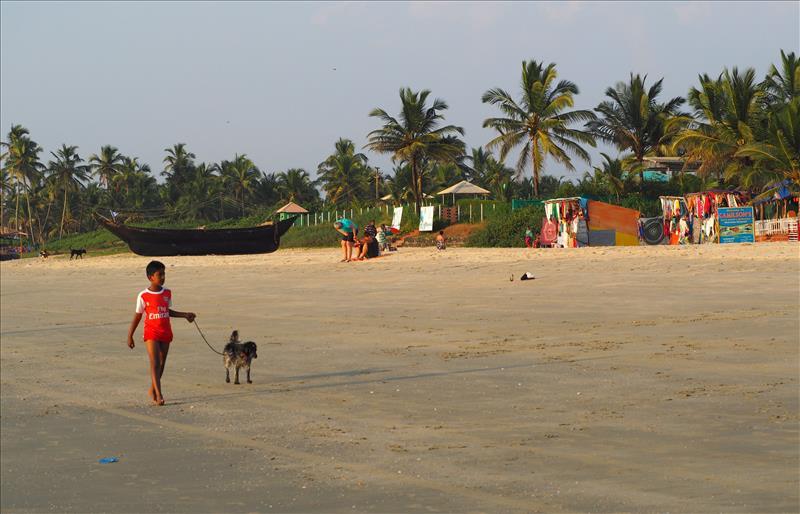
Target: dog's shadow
274,385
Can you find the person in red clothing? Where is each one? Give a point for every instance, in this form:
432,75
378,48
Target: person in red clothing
154,304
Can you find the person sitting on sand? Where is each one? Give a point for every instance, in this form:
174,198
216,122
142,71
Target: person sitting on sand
348,230
382,240
368,247
441,241
370,229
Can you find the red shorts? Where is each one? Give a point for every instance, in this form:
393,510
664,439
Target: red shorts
157,334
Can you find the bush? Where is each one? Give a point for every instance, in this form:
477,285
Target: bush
508,231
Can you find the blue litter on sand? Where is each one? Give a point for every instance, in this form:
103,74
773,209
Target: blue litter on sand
108,460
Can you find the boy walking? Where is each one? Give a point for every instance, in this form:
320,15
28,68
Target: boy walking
154,304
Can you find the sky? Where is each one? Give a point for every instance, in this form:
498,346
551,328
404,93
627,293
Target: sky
281,82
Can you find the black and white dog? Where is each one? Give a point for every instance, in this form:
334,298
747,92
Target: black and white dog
238,355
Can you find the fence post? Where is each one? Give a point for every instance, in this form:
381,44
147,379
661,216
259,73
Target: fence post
481,213
470,213
458,213
440,211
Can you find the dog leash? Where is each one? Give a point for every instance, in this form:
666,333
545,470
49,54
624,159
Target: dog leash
204,338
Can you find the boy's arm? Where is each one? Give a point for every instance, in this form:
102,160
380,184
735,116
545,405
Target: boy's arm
137,317
189,316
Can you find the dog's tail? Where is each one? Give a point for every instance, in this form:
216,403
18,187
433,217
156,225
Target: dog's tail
234,336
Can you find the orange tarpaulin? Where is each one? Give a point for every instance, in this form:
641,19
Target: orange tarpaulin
625,222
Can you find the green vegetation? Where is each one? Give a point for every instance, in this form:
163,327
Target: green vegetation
508,231
739,131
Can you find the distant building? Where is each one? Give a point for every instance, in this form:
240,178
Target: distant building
661,169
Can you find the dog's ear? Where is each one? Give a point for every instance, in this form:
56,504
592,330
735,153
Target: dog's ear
235,336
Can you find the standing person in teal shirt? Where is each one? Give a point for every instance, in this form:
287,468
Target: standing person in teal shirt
348,229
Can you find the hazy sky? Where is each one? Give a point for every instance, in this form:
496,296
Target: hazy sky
259,78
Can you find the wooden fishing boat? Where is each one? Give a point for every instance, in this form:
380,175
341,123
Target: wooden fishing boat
224,241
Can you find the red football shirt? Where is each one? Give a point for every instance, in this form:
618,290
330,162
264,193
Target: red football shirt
155,309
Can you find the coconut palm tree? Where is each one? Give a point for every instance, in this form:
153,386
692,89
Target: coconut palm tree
266,188
474,165
295,185
22,164
242,174
613,174
415,136
728,115
68,174
344,174
498,178
539,121
106,165
778,156
178,169
783,85
400,184
634,121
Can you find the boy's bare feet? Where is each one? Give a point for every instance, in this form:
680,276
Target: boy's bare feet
161,401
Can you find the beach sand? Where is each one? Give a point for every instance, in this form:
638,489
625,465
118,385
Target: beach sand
620,379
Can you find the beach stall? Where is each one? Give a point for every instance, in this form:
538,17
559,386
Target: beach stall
673,208
612,225
464,188
562,226
289,210
576,221
703,211
775,212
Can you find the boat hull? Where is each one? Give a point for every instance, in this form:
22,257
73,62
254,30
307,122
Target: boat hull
157,242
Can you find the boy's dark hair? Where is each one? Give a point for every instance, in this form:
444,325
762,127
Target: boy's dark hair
441,232
153,267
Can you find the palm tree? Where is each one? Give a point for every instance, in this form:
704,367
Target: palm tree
178,169
539,120
548,185
106,165
295,186
68,174
634,121
5,184
783,85
779,154
479,162
613,174
728,115
400,184
242,174
22,163
415,136
266,189
343,175
498,179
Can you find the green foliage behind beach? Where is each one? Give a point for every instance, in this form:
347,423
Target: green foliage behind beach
508,231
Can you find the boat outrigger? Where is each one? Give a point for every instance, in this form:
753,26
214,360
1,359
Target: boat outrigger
225,241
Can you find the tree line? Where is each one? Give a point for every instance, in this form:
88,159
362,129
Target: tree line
736,130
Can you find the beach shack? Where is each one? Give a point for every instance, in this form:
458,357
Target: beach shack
775,211
11,244
289,210
703,208
602,224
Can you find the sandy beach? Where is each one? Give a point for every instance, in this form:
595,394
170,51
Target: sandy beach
620,379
